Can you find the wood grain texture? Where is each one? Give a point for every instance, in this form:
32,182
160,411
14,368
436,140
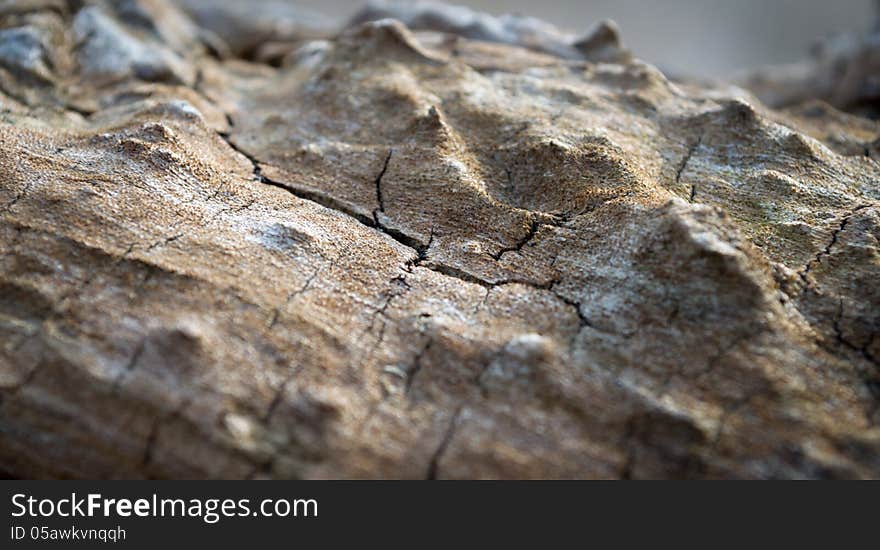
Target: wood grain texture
418,255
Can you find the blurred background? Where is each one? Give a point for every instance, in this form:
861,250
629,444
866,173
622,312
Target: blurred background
697,37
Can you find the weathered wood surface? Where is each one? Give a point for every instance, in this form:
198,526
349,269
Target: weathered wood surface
411,254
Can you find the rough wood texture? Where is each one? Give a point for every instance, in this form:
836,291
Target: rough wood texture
420,255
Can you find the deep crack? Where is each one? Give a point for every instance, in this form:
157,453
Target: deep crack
380,200
434,464
420,248
687,158
826,251
416,366
534,226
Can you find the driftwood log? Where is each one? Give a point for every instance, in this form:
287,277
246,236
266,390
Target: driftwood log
384,252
